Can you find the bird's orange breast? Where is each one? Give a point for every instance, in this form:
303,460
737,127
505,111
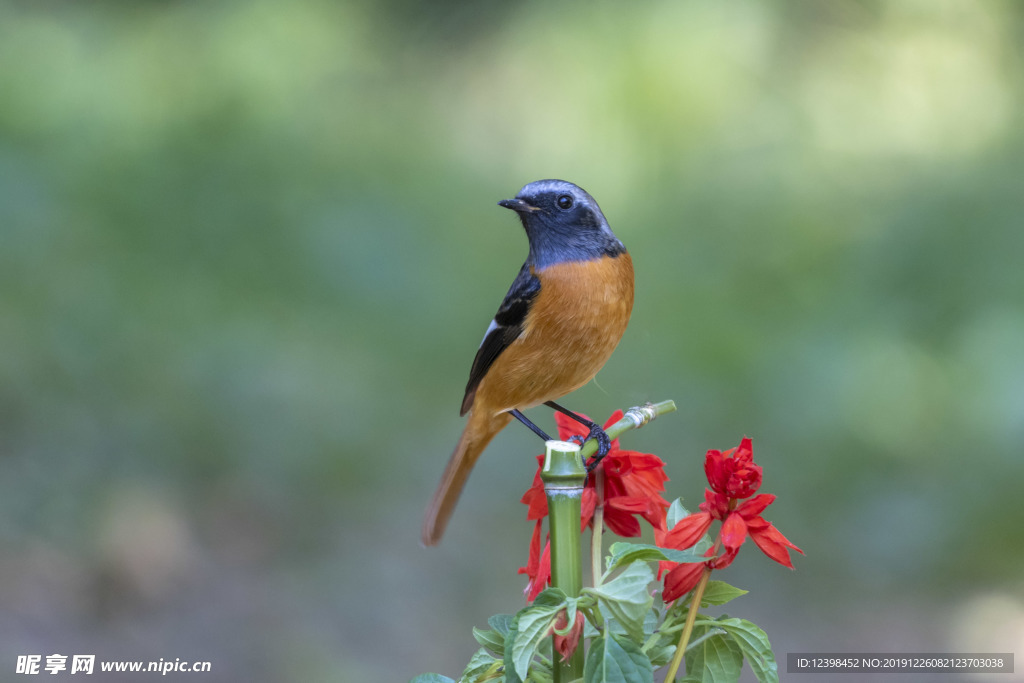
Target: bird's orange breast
573,326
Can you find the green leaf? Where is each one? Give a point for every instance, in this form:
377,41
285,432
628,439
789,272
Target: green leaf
589,630
616,659
491,639
626,597
533,623
651,620
717,659
494,638
661,654
432,678
627,553
753,641
630,584
502,623
719,593
549,596
676,512
482,666
622,553
694,554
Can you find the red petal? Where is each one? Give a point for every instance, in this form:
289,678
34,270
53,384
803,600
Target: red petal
621,523
652,511
715,504
773,544
534,560
725,559
756,505
659,522
687,531
655,515
733,532
535,497
745,451
641,484
613,483
628,504
682,580
744,479
646,470
543,577
714,469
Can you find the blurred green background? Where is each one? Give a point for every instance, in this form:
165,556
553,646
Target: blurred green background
248,250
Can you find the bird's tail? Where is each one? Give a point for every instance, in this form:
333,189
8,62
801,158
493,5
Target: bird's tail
480,429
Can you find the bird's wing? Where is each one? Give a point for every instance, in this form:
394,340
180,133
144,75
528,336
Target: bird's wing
503,330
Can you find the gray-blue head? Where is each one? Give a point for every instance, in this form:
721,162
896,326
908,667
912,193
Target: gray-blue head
563,223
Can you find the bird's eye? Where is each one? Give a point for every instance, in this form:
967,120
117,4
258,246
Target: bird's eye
565,202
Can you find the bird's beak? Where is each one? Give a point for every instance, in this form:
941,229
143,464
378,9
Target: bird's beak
518,205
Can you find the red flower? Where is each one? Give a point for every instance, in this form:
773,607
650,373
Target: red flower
633,484
732,475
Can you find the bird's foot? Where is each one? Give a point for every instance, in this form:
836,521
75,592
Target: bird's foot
604,444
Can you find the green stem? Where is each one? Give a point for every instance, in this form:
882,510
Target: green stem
691,616
593,614
644,414
597,528
563,475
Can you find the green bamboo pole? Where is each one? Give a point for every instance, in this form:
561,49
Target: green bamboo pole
563,475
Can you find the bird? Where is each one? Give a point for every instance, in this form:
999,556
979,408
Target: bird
560,321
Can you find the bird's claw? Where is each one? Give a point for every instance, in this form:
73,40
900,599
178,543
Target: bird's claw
604,444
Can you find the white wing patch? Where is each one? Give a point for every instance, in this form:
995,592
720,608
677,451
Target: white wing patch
490,328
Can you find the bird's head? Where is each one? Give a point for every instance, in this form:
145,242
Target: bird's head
563,223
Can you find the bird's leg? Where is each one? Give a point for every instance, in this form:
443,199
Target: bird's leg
604,444
533,428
